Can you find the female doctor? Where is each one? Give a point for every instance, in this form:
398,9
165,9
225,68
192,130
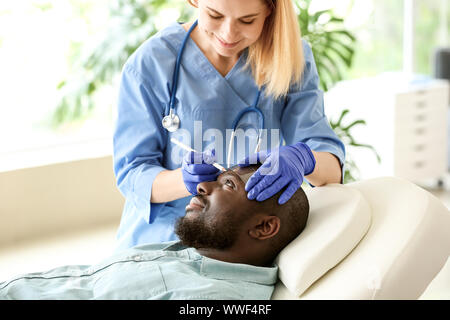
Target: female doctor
241,65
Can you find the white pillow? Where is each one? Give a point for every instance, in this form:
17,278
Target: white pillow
339,218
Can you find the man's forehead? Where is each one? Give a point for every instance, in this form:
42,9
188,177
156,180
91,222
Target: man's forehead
244,172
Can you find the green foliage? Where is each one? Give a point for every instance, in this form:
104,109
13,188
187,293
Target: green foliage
132,22
333,49
379,49
43,6
332,45
343,131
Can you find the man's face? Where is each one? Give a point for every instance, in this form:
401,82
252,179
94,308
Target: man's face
215,217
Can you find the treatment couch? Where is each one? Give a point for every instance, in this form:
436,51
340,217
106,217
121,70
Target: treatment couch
383,238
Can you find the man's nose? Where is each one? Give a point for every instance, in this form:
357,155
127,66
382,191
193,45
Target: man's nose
205,187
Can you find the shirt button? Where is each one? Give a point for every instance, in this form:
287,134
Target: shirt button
137,258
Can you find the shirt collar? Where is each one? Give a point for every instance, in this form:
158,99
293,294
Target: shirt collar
238,271
229,271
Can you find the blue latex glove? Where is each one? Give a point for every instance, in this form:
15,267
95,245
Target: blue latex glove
197,167
283,166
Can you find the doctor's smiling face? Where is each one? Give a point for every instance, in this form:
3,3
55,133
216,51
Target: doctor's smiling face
220,218
231,25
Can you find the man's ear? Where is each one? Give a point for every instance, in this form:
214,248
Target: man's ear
266,227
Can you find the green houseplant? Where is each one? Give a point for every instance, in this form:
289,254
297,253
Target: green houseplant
131,23
333,49
134,21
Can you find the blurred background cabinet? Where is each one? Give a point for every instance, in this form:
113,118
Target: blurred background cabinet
406,122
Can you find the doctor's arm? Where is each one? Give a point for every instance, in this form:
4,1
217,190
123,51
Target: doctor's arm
327,169
168,186
139,145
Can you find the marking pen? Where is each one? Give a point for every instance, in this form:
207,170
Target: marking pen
185,147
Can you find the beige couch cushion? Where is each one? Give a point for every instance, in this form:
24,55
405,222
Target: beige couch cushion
339,217
406,245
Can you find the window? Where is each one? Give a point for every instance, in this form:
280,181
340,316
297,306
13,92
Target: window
381,27
38,39
431,30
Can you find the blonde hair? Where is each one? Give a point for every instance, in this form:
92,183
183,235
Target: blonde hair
276,58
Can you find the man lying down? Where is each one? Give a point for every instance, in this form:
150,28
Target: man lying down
226,251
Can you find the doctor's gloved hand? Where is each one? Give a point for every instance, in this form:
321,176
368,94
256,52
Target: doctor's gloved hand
282,166
197,167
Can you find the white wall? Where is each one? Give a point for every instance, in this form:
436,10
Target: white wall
58,198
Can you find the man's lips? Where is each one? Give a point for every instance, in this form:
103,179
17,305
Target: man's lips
196,203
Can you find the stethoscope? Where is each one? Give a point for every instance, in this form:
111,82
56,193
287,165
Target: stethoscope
171,121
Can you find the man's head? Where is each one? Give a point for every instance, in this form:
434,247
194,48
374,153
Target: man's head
222,222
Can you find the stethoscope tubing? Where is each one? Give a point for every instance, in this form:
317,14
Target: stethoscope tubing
173,117
177,68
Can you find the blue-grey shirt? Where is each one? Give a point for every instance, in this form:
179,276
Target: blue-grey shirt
154,271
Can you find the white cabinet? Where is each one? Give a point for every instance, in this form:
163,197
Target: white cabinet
406,124
420,133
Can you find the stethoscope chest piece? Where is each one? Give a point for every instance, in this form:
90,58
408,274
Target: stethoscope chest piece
171,122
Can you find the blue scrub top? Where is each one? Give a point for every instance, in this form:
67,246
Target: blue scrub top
207,103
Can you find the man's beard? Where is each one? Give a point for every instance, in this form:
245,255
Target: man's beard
198,233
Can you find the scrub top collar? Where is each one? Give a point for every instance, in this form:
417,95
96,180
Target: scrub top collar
237,89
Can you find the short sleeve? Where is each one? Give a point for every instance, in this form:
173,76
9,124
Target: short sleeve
138,140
